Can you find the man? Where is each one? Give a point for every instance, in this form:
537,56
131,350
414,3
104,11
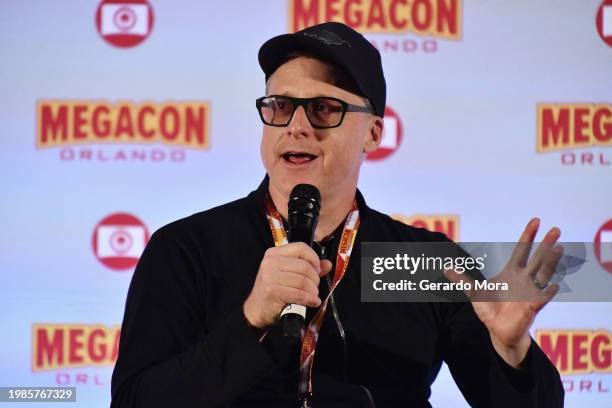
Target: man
200,321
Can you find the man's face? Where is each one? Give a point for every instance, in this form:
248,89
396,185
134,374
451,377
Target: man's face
326,158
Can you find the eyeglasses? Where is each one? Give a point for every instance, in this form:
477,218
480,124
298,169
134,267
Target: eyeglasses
323,112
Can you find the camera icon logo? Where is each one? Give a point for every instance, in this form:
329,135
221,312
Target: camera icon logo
118,241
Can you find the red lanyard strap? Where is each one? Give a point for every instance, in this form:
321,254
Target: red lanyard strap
309,342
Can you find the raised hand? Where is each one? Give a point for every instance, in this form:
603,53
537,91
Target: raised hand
509,314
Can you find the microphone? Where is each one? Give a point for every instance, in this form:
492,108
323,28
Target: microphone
304,206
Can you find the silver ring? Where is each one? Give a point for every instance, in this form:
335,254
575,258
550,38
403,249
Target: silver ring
539,284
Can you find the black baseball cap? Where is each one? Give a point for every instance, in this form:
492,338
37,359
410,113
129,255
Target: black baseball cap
338,44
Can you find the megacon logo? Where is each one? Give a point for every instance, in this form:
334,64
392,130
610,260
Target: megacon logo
63,349
579,352
424,21
602,246
101,131
56,346
447,224
581,132
124,23
391,137
603,21
118,241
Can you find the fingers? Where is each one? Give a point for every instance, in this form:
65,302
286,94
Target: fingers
547,270
543,251
520,255
298,281
297,266
548,294
288,274
297,296
296,250
326,267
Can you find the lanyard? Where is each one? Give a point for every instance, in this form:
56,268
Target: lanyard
311,335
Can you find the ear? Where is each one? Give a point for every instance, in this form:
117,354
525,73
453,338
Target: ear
375,134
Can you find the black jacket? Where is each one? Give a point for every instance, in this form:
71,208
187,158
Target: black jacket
185,341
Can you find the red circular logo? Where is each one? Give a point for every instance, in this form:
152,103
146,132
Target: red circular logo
604,21
391,137
124,23
118,241
603,246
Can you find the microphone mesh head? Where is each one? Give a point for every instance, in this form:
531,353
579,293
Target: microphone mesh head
305,199
307,191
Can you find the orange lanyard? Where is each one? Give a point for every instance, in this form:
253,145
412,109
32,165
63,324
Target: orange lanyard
311,335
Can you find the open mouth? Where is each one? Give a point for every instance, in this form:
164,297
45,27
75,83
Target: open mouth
298,157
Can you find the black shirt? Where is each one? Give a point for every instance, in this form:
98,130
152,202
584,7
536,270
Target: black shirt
185,341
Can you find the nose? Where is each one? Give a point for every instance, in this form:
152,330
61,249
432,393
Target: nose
299,125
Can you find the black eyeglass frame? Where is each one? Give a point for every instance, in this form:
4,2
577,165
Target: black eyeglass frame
303,102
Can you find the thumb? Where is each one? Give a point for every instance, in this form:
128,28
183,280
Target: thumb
326,266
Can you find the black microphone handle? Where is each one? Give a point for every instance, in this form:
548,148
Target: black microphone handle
303,213
293,317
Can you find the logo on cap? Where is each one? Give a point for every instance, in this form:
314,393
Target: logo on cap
326,37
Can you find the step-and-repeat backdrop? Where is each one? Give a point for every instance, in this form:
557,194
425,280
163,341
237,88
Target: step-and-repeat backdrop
117,117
